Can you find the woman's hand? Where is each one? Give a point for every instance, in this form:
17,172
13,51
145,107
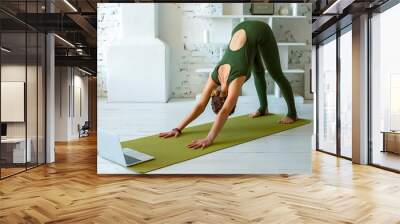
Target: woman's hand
173,133
200,143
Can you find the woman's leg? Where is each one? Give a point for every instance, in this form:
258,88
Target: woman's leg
260,83
270,53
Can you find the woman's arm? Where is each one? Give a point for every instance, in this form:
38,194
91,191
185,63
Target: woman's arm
201,105
197,110
230,102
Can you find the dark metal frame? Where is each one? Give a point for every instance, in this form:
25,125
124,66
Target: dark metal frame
44,80
380,9
369,90
338,153
338,98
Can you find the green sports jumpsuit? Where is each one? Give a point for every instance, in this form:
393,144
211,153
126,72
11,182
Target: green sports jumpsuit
260,45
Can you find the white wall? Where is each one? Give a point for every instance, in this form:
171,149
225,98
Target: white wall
67,116
108,26
189,52
79,117
34,125
183,33
15,72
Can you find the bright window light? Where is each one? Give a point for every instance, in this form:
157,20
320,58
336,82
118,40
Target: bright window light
84,71
70,5
64,40
331,7
5,50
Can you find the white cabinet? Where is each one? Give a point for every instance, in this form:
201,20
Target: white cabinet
19,154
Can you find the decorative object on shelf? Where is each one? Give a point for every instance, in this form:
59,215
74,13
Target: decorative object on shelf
209,9
294,8
304,10
284,10
284,35
233,8
247,8
295,57
262,8
289,37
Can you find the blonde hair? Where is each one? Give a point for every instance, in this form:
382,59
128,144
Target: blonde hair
218,99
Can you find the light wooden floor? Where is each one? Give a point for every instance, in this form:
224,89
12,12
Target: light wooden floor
10,171
387,159
70,191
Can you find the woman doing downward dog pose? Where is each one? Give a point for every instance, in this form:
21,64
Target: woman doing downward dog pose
251,43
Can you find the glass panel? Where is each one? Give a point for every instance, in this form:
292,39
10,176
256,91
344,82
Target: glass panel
31,100
385,83
13,87
327,96
23,90
346,93
32,89
41,99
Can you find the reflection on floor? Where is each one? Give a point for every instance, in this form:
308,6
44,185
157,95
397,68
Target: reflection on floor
11,169
284,152
387,159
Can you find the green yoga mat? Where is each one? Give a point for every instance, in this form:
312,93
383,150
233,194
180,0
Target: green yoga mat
237,130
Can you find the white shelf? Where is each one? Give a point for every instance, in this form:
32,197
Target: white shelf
204,70
298,71
290,71
291,44
249,16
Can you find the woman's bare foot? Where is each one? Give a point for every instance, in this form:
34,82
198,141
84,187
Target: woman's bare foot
287,120
258,114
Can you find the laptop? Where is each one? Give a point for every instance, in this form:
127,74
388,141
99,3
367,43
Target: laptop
109,147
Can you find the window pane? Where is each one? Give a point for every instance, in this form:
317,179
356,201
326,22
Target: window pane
41,98
13,86
31,97
385,83
346,94
327,96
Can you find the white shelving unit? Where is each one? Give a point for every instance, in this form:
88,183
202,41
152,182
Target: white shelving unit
283,46
291,44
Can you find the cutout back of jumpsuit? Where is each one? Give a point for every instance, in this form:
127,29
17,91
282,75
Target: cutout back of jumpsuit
260,46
